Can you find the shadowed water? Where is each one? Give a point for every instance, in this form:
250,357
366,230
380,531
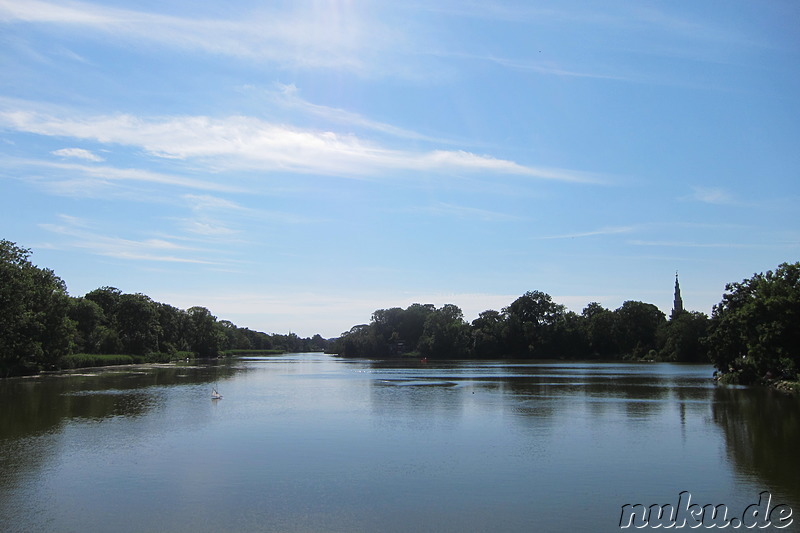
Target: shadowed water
308,442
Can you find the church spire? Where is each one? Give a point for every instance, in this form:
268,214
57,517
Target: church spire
677,304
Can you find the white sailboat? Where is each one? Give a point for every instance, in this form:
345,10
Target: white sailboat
214,394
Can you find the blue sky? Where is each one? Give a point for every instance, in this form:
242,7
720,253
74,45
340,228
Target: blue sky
294,166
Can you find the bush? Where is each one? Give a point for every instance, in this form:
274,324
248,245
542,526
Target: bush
84,360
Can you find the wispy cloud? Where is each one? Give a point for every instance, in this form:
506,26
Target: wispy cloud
287,95
552,69
711,195
78,153
247,143
88,179
79,234
323,34
614,230
471,213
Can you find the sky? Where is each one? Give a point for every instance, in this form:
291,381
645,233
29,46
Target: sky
296,165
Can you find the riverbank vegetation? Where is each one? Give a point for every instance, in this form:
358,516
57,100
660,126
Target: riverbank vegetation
753,335
42,327
756,329
532,326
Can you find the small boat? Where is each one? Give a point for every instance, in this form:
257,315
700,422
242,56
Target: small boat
215,395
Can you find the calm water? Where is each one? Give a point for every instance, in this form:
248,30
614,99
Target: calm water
308,442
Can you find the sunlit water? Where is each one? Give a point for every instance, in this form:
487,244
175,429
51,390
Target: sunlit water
308,442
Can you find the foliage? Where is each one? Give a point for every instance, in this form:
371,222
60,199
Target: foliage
445,334
251,352
531,326
34,328
681,338
636,326
43,328
85,360
754,334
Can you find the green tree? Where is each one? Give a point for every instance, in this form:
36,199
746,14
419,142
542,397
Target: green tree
637,325
174,329
205,336
137,324
88,318
600,324
567,337
754,332
412,324
108,300
682,338
529,323
385,326
359,341
487,334
445,334
35,331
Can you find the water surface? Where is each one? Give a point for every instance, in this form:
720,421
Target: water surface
309,442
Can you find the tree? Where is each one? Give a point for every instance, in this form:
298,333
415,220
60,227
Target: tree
600,324
137,324
412,324
637,324
681,338
754,332
445,334
89,318
205,337
567,337
34,329
173,328
108,300
529,322
487,334
360,341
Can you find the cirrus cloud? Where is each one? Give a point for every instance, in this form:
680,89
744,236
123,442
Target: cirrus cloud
247,143
78,153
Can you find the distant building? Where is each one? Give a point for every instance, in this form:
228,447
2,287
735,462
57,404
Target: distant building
677,304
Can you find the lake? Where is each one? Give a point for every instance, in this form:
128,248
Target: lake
310,442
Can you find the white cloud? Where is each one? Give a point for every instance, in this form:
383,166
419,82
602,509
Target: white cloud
711,195
471,213
206,227
613,230
321,34
90,178
247,143
79,234
200,202
78,153
287,96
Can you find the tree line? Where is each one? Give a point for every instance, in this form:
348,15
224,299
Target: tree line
42,327
532,326
753,334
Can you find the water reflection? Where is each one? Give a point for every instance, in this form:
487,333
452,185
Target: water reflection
310,442
762,436
41,404
37,410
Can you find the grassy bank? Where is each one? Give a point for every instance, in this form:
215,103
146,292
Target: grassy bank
251,352
84,360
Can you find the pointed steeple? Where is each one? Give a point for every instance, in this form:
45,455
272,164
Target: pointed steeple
677,304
